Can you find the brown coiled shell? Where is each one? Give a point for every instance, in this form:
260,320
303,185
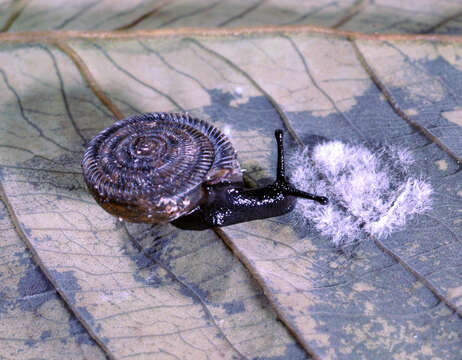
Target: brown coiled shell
151,167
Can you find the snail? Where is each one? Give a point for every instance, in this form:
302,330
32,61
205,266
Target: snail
171,167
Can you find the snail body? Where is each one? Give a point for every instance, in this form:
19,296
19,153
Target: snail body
167,167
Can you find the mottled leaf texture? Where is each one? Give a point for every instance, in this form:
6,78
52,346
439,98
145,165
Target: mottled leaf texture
33,319
368,306
269,289
158,292
384,16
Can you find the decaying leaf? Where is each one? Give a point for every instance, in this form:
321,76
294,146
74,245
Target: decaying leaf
33,319
383,16
283,292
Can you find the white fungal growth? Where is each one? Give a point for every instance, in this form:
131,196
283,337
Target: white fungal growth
227,130
238,90
371,192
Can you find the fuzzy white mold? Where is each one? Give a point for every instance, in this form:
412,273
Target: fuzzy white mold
371,192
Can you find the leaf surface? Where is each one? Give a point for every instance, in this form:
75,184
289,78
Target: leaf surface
159,293
394,16
383,16
143,292
314,288
33,318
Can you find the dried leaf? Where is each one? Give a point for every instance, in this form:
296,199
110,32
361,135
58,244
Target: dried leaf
135,299
33,318
383,16
162,292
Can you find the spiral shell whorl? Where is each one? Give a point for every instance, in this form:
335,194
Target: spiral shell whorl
150,167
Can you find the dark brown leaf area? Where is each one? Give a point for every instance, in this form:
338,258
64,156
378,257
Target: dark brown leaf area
75,280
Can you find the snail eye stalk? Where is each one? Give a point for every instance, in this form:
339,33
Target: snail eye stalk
288,189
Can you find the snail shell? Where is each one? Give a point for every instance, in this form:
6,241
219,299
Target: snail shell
151,167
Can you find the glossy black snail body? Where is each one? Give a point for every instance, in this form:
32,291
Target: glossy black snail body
167,167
